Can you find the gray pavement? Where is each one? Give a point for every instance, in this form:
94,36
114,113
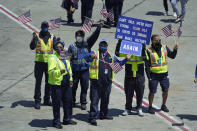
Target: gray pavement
17,82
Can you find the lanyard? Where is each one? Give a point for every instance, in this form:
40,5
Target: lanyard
103,59
65,66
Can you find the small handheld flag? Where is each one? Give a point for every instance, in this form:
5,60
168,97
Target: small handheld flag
167,31
26,17
87,25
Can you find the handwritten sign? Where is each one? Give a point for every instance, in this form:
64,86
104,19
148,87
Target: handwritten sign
135,30
128,47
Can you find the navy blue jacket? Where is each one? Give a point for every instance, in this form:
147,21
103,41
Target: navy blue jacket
82,53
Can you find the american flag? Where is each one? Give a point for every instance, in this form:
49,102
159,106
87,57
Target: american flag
104,12
116,67
26,17
111,15
179,31
87,25
54,23
167,31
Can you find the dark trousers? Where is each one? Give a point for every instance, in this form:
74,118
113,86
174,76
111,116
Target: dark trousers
99,91
165,4
62,94
86,9
83,77
67,6
39,69
116,6
117,9
131,85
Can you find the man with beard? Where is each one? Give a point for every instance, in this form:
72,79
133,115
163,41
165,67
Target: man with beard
157,70
42,43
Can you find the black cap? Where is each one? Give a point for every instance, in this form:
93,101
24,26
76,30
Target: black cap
44,24
81,32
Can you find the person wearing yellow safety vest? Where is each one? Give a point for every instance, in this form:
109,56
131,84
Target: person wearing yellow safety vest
157,70
61,82
42,43
101,77
134,79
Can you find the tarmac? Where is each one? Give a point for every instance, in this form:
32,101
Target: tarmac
17,64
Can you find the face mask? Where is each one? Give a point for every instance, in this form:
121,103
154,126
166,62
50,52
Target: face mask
102,48
44,29
157,44
79,39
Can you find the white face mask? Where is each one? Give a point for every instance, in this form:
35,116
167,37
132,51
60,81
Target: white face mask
79,39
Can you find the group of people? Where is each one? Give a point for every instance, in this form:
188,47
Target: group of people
87,9
62,75
179,15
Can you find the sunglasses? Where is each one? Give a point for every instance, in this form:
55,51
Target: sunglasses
59,47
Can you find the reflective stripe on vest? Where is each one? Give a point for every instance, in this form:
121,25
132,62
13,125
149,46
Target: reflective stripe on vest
158,67
75,48
153,57
135,61
75,54
79,61
39,49
94,67
43,50
162,64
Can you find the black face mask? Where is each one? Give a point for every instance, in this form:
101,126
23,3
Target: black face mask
157,45
44,32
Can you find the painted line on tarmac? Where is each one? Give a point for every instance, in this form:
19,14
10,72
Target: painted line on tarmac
14,17
130,9
166,117
21,79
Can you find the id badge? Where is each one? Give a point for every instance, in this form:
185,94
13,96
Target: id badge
106,71
159,61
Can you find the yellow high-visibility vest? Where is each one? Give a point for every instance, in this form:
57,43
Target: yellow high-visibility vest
134,61
94,67
55,65
158,65
43,51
